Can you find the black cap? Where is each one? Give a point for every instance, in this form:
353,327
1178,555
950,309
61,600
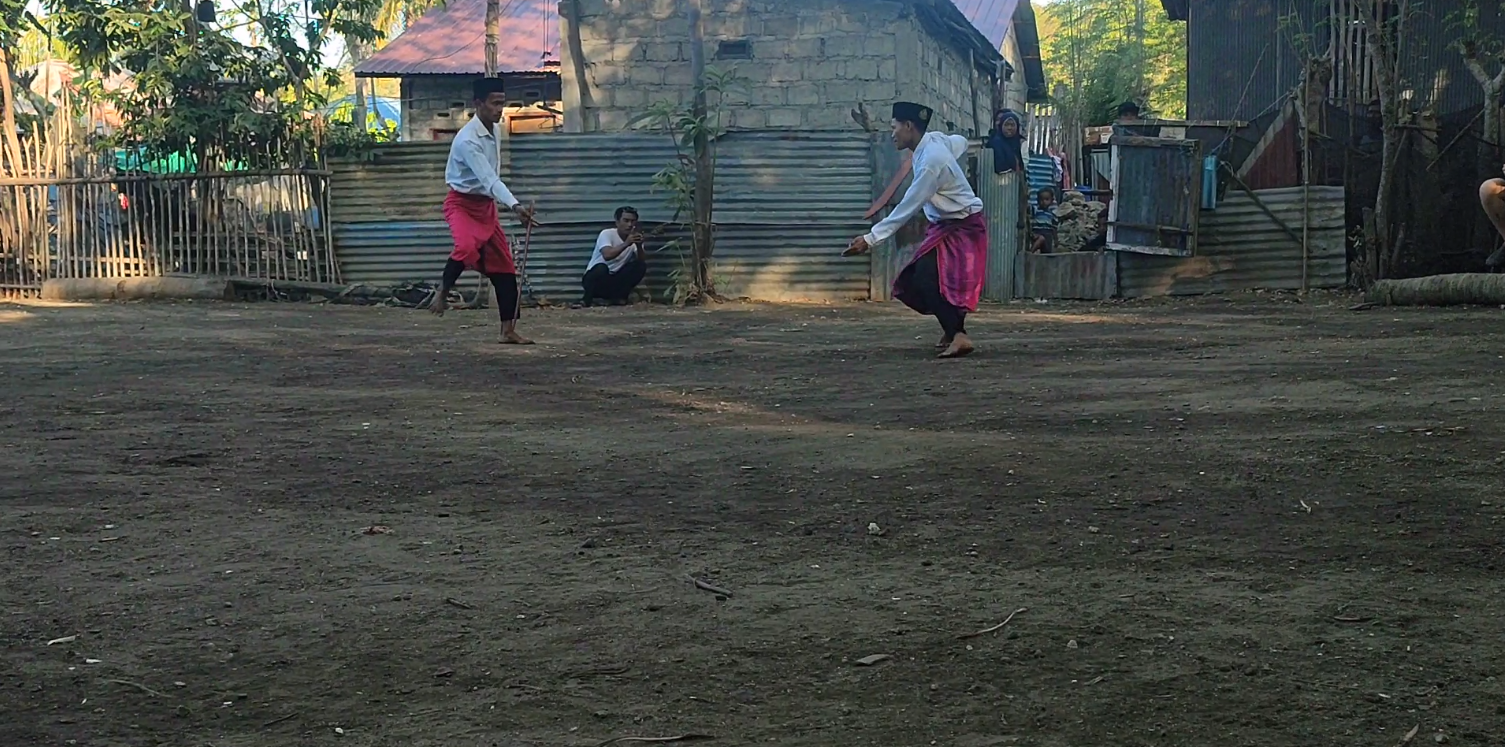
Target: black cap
905,111
1128,107
485,87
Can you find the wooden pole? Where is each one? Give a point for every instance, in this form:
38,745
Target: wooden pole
493,31
704,165
10,141
1306,204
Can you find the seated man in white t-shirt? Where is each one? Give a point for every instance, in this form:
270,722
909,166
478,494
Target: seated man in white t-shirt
618,264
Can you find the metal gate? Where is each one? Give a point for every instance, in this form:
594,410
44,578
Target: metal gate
1157,194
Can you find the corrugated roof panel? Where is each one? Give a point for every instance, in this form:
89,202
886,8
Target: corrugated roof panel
991,17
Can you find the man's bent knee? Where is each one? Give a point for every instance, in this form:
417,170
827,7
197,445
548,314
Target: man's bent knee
1492,191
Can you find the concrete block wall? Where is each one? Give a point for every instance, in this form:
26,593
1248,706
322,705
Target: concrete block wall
946,80
812,62
1016,89
441,103
434,102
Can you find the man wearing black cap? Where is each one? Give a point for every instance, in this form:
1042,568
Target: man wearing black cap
470,210
945,277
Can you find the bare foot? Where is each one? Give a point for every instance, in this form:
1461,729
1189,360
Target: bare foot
513,338
960,347
440,304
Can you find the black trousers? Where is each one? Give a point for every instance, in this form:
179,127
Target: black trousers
505,285
923,280
600,282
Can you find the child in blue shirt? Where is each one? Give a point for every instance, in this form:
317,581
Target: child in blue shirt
1043,221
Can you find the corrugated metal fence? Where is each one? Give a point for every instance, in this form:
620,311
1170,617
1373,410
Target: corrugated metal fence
1240,247
1002,198
786,204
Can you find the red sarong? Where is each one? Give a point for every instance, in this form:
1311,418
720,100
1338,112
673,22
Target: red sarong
961,257
479,240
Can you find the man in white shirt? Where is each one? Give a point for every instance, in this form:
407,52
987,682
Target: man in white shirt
618,264
470,209
944,279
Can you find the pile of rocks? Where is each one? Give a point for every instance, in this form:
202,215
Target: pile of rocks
1079,221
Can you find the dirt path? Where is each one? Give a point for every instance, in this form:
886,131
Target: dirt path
1233,522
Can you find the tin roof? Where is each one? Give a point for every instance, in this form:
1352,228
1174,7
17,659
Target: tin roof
991,17
450,40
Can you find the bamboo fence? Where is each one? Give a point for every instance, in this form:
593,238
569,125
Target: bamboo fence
70,210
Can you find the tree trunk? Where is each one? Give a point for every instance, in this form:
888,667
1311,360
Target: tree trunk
14,226
1440,290
358,54
8,101
570,20
1382,39
493,32
1487,160
705,170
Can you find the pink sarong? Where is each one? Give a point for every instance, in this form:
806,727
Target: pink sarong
479,240
961,257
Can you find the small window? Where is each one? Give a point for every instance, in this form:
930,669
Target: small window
740,49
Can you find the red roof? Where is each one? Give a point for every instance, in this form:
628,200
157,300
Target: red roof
451,40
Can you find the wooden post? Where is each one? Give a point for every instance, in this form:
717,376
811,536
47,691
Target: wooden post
493,31
704,166
576,108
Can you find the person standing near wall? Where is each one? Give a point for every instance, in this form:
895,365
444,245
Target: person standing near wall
1006,140
945,277
475,188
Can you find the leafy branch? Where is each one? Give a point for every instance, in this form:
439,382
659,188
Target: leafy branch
678,179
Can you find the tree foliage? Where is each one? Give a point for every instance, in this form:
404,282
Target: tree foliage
1106,52
202,91
687,126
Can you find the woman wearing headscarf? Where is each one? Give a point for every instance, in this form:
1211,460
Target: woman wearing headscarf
1006,140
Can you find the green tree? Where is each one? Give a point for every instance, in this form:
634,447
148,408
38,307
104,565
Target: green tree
1484,55
689,180
389,18
198,90
15,20
1106,52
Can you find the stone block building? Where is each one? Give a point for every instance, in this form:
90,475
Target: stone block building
809,63
441,54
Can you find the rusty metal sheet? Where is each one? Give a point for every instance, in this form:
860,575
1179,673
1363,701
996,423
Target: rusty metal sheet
1242,248
1157,194
1088,276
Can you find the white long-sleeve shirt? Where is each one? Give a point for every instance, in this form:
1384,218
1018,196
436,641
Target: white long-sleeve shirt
474,162
939,187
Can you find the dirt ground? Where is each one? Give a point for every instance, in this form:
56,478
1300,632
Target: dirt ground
1238,521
